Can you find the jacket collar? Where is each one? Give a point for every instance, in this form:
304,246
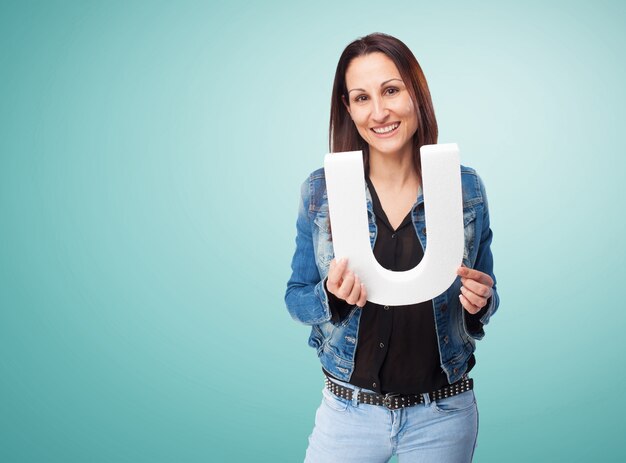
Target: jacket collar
370,204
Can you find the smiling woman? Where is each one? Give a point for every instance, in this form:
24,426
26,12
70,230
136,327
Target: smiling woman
394,65
396,377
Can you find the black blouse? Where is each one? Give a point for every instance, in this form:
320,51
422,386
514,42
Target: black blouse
397,347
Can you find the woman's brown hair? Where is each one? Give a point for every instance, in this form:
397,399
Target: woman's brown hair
343,135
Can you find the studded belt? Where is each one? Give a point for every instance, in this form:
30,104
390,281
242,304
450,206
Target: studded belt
396,401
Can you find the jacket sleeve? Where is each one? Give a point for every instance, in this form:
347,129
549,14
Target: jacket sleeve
339,308
484,263
306,298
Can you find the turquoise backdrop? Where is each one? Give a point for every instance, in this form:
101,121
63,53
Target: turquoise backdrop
151,154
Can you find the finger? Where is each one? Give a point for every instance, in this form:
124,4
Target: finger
346,285
475,299
363,297
356,291
335,272
475,275
467,305
477,288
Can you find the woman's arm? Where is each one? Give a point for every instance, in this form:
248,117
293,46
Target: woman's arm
306,299
480,296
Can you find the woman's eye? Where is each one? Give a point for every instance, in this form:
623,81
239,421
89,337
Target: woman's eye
360,98
391,91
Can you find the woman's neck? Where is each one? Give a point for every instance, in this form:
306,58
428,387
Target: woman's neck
392,171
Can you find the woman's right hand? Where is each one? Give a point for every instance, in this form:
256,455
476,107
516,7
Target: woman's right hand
344,284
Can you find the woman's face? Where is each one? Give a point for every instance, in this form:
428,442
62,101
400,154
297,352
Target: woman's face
380,105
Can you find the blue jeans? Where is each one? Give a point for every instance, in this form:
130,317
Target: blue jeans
439,431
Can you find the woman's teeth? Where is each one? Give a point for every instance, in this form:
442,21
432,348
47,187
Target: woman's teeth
387,129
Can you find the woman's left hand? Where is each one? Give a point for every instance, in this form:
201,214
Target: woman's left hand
475,290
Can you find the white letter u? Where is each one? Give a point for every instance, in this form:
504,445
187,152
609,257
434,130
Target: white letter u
443,204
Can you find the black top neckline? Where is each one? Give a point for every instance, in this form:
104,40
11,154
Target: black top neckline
382,215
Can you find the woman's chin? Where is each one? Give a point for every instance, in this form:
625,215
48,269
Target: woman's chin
390,149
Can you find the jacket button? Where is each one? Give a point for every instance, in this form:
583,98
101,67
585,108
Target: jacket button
374,385
455,371
386,307
444,307
446,339
424,230
382,345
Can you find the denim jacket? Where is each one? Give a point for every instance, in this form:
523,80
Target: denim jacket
336,339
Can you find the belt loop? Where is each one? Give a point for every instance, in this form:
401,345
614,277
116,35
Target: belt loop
427,400
355,396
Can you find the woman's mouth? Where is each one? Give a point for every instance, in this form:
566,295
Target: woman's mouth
387,130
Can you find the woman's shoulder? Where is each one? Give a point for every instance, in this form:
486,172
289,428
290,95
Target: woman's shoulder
472,184
317,176
467,170
317,173
314,189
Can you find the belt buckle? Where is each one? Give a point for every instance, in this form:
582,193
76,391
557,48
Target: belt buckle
387,399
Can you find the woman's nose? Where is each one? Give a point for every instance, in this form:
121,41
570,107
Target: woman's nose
379,110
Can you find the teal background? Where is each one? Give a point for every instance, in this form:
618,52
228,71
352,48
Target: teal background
150,162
